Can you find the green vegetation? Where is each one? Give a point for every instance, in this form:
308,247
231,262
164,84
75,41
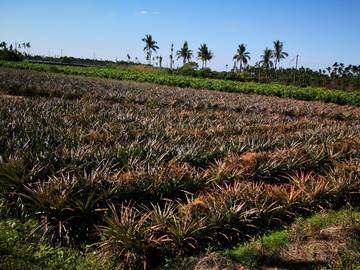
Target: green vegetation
254,254
308,93
12,54
142,173
20,249
272,248
266,70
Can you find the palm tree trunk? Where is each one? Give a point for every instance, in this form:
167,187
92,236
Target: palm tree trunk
259,75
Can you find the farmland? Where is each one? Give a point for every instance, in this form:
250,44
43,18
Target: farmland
162,78
145,172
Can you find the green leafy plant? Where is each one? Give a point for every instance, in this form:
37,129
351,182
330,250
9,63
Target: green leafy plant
130,235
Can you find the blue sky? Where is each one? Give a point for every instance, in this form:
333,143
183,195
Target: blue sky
320,31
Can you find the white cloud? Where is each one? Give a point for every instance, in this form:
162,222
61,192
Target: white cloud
144,12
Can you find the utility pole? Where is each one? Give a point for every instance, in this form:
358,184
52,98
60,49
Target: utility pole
61,53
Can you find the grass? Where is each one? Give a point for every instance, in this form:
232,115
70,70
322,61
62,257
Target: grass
267,249
308,93
19,249
252,254
144,173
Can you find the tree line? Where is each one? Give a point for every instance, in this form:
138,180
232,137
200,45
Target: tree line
269,59
13,52
266,70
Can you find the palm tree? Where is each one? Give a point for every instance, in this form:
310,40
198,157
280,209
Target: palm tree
328,69
185,53
3,45
279,53
266,61
171,56
28,45
242,56
204,54
149,47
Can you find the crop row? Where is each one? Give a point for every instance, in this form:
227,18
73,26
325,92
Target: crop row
308,93
146,172
74,210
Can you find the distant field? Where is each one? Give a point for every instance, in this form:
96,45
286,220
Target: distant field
308,93
152,171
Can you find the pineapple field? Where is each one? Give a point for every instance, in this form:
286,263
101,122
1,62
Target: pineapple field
140,173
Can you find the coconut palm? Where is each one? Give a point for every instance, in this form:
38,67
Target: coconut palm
171,56
185,53
242,56
278,52
3,45
204,54
150,47
266,59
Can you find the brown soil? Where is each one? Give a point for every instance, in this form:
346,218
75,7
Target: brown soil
319,249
